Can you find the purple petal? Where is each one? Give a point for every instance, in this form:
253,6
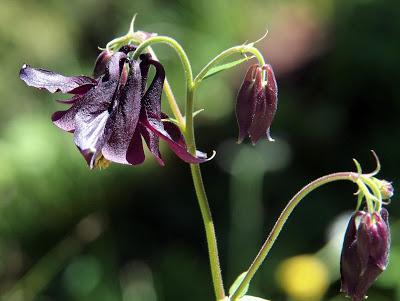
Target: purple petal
271,95
125,118
90,133
152,142
176,146
135,154
265,106
350,266
65,120
76,98
245,103
144,69
101,63
152,98
261,120
93,125
53,82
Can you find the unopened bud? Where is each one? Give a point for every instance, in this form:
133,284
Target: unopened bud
386,189
256,103
365,252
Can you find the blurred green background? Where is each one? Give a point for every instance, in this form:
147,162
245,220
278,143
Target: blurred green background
135,233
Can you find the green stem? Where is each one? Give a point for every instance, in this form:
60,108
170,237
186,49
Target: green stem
203,202
188,130
210,232
186,67
351,176
223,55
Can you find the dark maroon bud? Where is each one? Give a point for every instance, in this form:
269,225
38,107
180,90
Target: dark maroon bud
365,252
256,104
101,63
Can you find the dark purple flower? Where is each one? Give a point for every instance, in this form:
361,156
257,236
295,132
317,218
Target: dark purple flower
111,113
256,103
365,252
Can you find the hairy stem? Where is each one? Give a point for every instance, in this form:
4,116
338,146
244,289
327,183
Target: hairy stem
188,130
351,176
203,202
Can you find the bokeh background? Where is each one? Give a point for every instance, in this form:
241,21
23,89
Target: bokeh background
135,233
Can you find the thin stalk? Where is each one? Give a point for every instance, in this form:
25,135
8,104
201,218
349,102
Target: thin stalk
351,176
188,130
203,202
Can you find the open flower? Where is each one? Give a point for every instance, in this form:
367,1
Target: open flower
365,252
111,113
256,103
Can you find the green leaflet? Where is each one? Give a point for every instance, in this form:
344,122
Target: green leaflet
219,68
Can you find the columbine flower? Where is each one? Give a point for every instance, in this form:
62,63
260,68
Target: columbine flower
111,113
365,252
256,104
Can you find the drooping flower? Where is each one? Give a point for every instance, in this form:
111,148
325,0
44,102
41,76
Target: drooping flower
113,111
365,252
256,103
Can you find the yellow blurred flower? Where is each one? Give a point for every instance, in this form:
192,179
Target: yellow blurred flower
303,277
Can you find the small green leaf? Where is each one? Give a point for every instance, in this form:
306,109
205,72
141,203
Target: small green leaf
217,69
236,284
251,298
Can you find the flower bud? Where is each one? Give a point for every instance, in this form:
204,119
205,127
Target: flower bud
386,189
256,104
365,252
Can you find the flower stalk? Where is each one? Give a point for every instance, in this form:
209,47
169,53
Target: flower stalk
349,176
188,131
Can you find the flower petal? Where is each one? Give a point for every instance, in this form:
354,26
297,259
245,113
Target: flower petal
261,120
144,69
175,145
152,142
101,63
245,103
152,98
65,120
135,153
76,98
93,125
350,265
125,119
266,106
53,82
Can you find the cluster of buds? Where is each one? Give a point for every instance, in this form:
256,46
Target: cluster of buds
366,245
